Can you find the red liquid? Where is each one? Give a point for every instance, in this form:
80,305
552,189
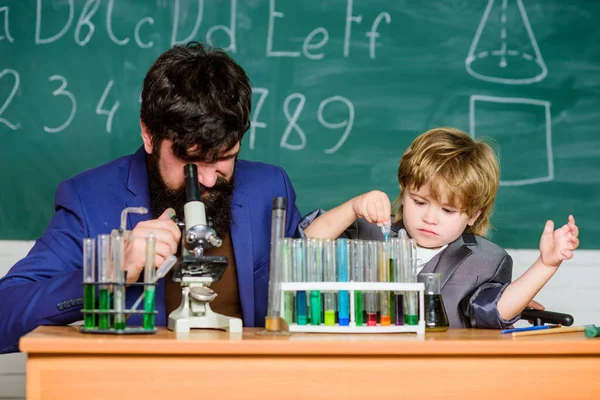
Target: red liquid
371,319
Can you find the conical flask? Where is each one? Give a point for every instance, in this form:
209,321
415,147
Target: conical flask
436,319
504,49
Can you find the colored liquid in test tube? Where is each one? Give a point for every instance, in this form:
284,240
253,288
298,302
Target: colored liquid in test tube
272,320
343,276
150,286
119,282
315,268
299,274
330,275
371,275
285,260
89,288
385,318
411,311
104,278
397,300
358,275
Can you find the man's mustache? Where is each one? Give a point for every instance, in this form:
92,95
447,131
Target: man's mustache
221,186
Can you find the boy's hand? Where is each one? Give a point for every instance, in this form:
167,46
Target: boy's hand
373,206
558,245
167,236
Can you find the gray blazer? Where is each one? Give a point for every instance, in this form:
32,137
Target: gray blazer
474,271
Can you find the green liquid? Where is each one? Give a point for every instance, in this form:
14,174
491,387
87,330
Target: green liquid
358,308
120,325
329,318
436,319
288,310
410,319
89,303
315,307
148,320
104,305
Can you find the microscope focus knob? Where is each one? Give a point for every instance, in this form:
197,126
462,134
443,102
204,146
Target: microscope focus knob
215,241
191,237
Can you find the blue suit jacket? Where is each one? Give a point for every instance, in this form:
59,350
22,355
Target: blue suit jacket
45,288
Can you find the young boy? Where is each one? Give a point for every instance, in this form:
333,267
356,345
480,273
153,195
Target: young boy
448,184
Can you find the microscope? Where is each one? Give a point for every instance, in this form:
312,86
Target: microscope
195,271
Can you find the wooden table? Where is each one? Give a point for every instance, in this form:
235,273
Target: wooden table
66,364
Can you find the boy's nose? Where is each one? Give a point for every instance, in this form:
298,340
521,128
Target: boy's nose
430,216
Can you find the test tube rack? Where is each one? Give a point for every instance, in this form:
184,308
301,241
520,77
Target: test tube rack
351,287
109,313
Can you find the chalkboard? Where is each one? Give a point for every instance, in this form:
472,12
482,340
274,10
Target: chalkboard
341,87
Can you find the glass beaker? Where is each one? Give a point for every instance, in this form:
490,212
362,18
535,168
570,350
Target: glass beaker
436,319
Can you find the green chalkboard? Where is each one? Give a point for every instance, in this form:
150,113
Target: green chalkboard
341,87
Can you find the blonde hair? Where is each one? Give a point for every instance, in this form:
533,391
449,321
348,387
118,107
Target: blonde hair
467,168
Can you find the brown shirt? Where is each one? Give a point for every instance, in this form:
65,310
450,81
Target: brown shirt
227,288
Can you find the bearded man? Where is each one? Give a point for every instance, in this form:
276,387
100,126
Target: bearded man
196,104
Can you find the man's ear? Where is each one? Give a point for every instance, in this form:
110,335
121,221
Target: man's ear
473,218
147,138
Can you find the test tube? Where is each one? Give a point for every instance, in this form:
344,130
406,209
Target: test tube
299,275
150,284
343,276
396,275
277,232
384,276
285,257
314,260
89,291
371,273
358,275
411,312
119,281
104,278
329,275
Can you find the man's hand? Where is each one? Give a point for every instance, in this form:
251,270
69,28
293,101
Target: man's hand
558,245
373,206
167,236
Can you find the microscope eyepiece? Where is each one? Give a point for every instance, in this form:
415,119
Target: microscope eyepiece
192,187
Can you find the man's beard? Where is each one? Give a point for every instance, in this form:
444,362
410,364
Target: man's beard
217,199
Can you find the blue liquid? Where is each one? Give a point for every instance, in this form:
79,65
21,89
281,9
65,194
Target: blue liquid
301,308
344,307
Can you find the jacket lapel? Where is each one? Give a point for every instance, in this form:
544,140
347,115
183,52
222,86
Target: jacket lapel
137,184
450,259
241,239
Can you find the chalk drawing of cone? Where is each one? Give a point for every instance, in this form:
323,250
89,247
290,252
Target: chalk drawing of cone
504,49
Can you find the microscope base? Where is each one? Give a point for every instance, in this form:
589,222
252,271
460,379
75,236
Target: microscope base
181,320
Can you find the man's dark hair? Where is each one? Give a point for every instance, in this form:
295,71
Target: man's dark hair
198,96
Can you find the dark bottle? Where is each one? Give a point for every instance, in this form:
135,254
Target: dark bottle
436,319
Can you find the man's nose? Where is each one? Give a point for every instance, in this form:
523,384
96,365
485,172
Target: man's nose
207,175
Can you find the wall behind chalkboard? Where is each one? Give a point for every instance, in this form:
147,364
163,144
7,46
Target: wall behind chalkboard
341,87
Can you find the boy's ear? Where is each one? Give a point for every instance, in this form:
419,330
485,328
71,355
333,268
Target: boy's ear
473,218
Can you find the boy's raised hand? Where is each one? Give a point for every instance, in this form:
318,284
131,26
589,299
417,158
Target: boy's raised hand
374,206
558,245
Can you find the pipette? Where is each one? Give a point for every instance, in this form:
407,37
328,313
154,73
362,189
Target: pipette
386,229
161,272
